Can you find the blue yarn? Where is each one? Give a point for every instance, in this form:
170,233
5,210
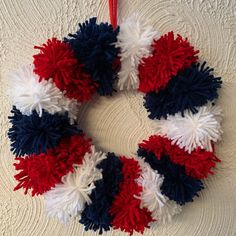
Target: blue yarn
189,89
96,216
94,47
34,134
177,185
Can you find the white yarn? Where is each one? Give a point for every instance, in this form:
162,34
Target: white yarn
134,40
68,199
159,205
71,106
166,213
192,130
28,94
151,196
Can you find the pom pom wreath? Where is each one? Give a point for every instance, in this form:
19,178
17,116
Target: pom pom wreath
189,89
96,216
151,182
68,199
101,190
42,172
126,208
28,94
170,55
192,130
177,185
56,60
35,134
93,45
198,163
134,40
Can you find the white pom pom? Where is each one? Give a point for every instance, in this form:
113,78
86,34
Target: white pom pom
28,94
160,206
192,130
166,213
151,196
134,40
68,199
71,106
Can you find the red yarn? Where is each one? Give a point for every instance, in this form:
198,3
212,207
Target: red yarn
56,60
169,56
81,86
157,145
39,172
73,148
198,163
42,172
125,210
116,64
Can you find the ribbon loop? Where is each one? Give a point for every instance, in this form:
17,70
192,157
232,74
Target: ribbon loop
113,12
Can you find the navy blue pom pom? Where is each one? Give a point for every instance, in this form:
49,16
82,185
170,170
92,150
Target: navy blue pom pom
94,47
34,134
189,89
112,173
96,216
177,185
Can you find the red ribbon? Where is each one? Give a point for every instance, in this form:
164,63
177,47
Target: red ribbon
113,12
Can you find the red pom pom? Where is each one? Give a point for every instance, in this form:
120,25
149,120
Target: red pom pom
198,163
169,56
73,148
39,172
56,60
42,172
125,209
157,145
81,87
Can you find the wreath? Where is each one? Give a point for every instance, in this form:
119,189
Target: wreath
54,158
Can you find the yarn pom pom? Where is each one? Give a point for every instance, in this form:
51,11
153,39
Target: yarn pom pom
39,172
42,172
28,94
56,60
192,130
162,209
126,208
198,164
189,89
151,182
166,213
82,87
73,148
34,134
177,185
96,216
134,40
93,45
68,199
170,55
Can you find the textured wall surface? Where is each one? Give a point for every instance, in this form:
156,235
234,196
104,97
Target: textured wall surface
119,123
